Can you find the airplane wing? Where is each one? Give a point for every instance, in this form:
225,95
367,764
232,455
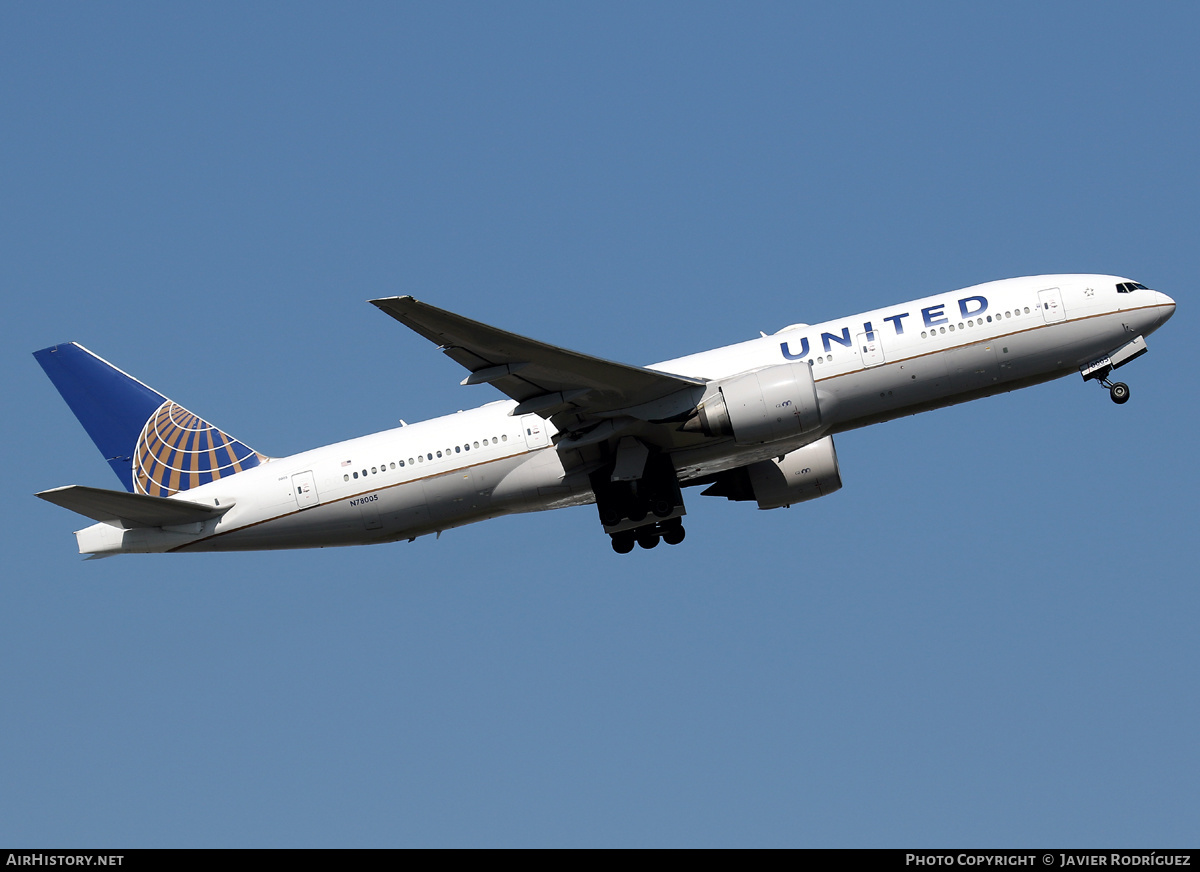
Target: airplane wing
131,510
575,390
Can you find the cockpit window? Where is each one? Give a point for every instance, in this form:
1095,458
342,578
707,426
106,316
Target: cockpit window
1130,287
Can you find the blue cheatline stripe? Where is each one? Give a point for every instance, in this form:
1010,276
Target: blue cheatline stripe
155,446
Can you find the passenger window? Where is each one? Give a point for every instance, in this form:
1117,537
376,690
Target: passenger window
345,478
457,450
356,475
504,437
439,454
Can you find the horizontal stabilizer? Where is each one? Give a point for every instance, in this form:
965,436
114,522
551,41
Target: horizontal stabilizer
131,510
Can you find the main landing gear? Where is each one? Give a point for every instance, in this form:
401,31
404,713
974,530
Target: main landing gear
648,536
642,511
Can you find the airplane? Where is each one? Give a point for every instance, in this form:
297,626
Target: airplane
750,422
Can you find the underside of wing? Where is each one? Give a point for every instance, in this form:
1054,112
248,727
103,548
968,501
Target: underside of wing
129,510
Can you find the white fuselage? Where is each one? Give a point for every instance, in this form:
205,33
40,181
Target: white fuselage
482,463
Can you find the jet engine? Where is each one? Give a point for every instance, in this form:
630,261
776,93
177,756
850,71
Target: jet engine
804,474
772,403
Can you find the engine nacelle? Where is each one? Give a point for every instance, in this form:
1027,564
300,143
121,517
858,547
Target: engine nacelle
804,474
772,403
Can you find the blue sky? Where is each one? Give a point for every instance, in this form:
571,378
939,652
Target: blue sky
986,638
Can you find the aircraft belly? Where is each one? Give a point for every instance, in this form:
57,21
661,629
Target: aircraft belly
318,527
540,481
451,495
887,388
1059,348
972,366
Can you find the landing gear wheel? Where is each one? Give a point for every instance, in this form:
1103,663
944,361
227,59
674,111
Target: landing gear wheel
622,543
673,535
661,508
648,539
1119,393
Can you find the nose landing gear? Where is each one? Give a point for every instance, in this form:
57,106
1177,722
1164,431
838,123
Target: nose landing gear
1118,391
1099,370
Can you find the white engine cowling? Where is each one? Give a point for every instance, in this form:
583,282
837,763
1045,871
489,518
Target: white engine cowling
763,406
804,474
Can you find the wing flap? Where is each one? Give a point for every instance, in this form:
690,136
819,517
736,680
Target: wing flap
131,510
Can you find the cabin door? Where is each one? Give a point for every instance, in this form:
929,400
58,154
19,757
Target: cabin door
871,349
1052,305
305,487
534,429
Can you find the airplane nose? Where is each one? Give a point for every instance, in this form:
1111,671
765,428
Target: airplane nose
1167,306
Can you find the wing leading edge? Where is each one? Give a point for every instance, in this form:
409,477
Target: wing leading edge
578,392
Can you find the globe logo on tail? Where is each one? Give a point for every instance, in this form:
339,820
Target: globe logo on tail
178,450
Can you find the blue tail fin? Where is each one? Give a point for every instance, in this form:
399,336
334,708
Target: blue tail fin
155,446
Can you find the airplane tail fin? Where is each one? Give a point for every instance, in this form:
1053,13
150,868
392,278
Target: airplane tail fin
156,447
